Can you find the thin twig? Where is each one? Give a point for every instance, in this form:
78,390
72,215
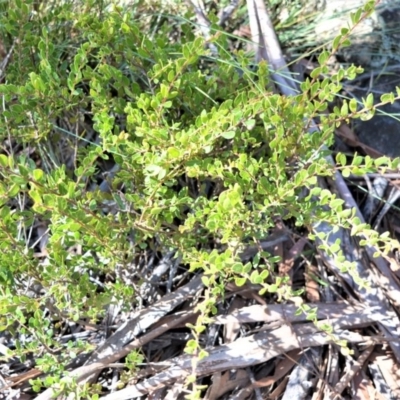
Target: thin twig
7,59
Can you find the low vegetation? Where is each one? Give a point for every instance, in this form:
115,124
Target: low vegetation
126,141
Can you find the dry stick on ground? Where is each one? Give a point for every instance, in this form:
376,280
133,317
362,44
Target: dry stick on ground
278,341
375,299
287,312
260,348
349,375
145,318
117,344
87,370
347,315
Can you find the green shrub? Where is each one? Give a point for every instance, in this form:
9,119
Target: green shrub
206,155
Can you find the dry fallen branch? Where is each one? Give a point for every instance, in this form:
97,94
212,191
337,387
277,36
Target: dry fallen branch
260,348
145,318
349,375
117,345
286,313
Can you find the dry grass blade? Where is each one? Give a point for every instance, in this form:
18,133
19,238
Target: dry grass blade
286,265
279,390
312,287
363,388
232,328
174,392
376,191
350,138
268,48
393,197
333,371
21,378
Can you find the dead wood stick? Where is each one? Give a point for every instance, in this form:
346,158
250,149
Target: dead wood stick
87,370
145,318
349,375
286,312
259,348
115,345
7,59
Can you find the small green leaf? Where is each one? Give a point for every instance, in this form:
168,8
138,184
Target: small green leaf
381,161
164,90
255,278
237,268
228,134
369,102
369,6
171,76
186,51
336,42
93,205
346,172
336,204
323,57
341,159
35,195
345,43
37,174
240,281
344,111
387,98
167,104
3,160
353,105
316,72
202,354
355,17
205,280
366,116
250,124
357,160
155,103
173,153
